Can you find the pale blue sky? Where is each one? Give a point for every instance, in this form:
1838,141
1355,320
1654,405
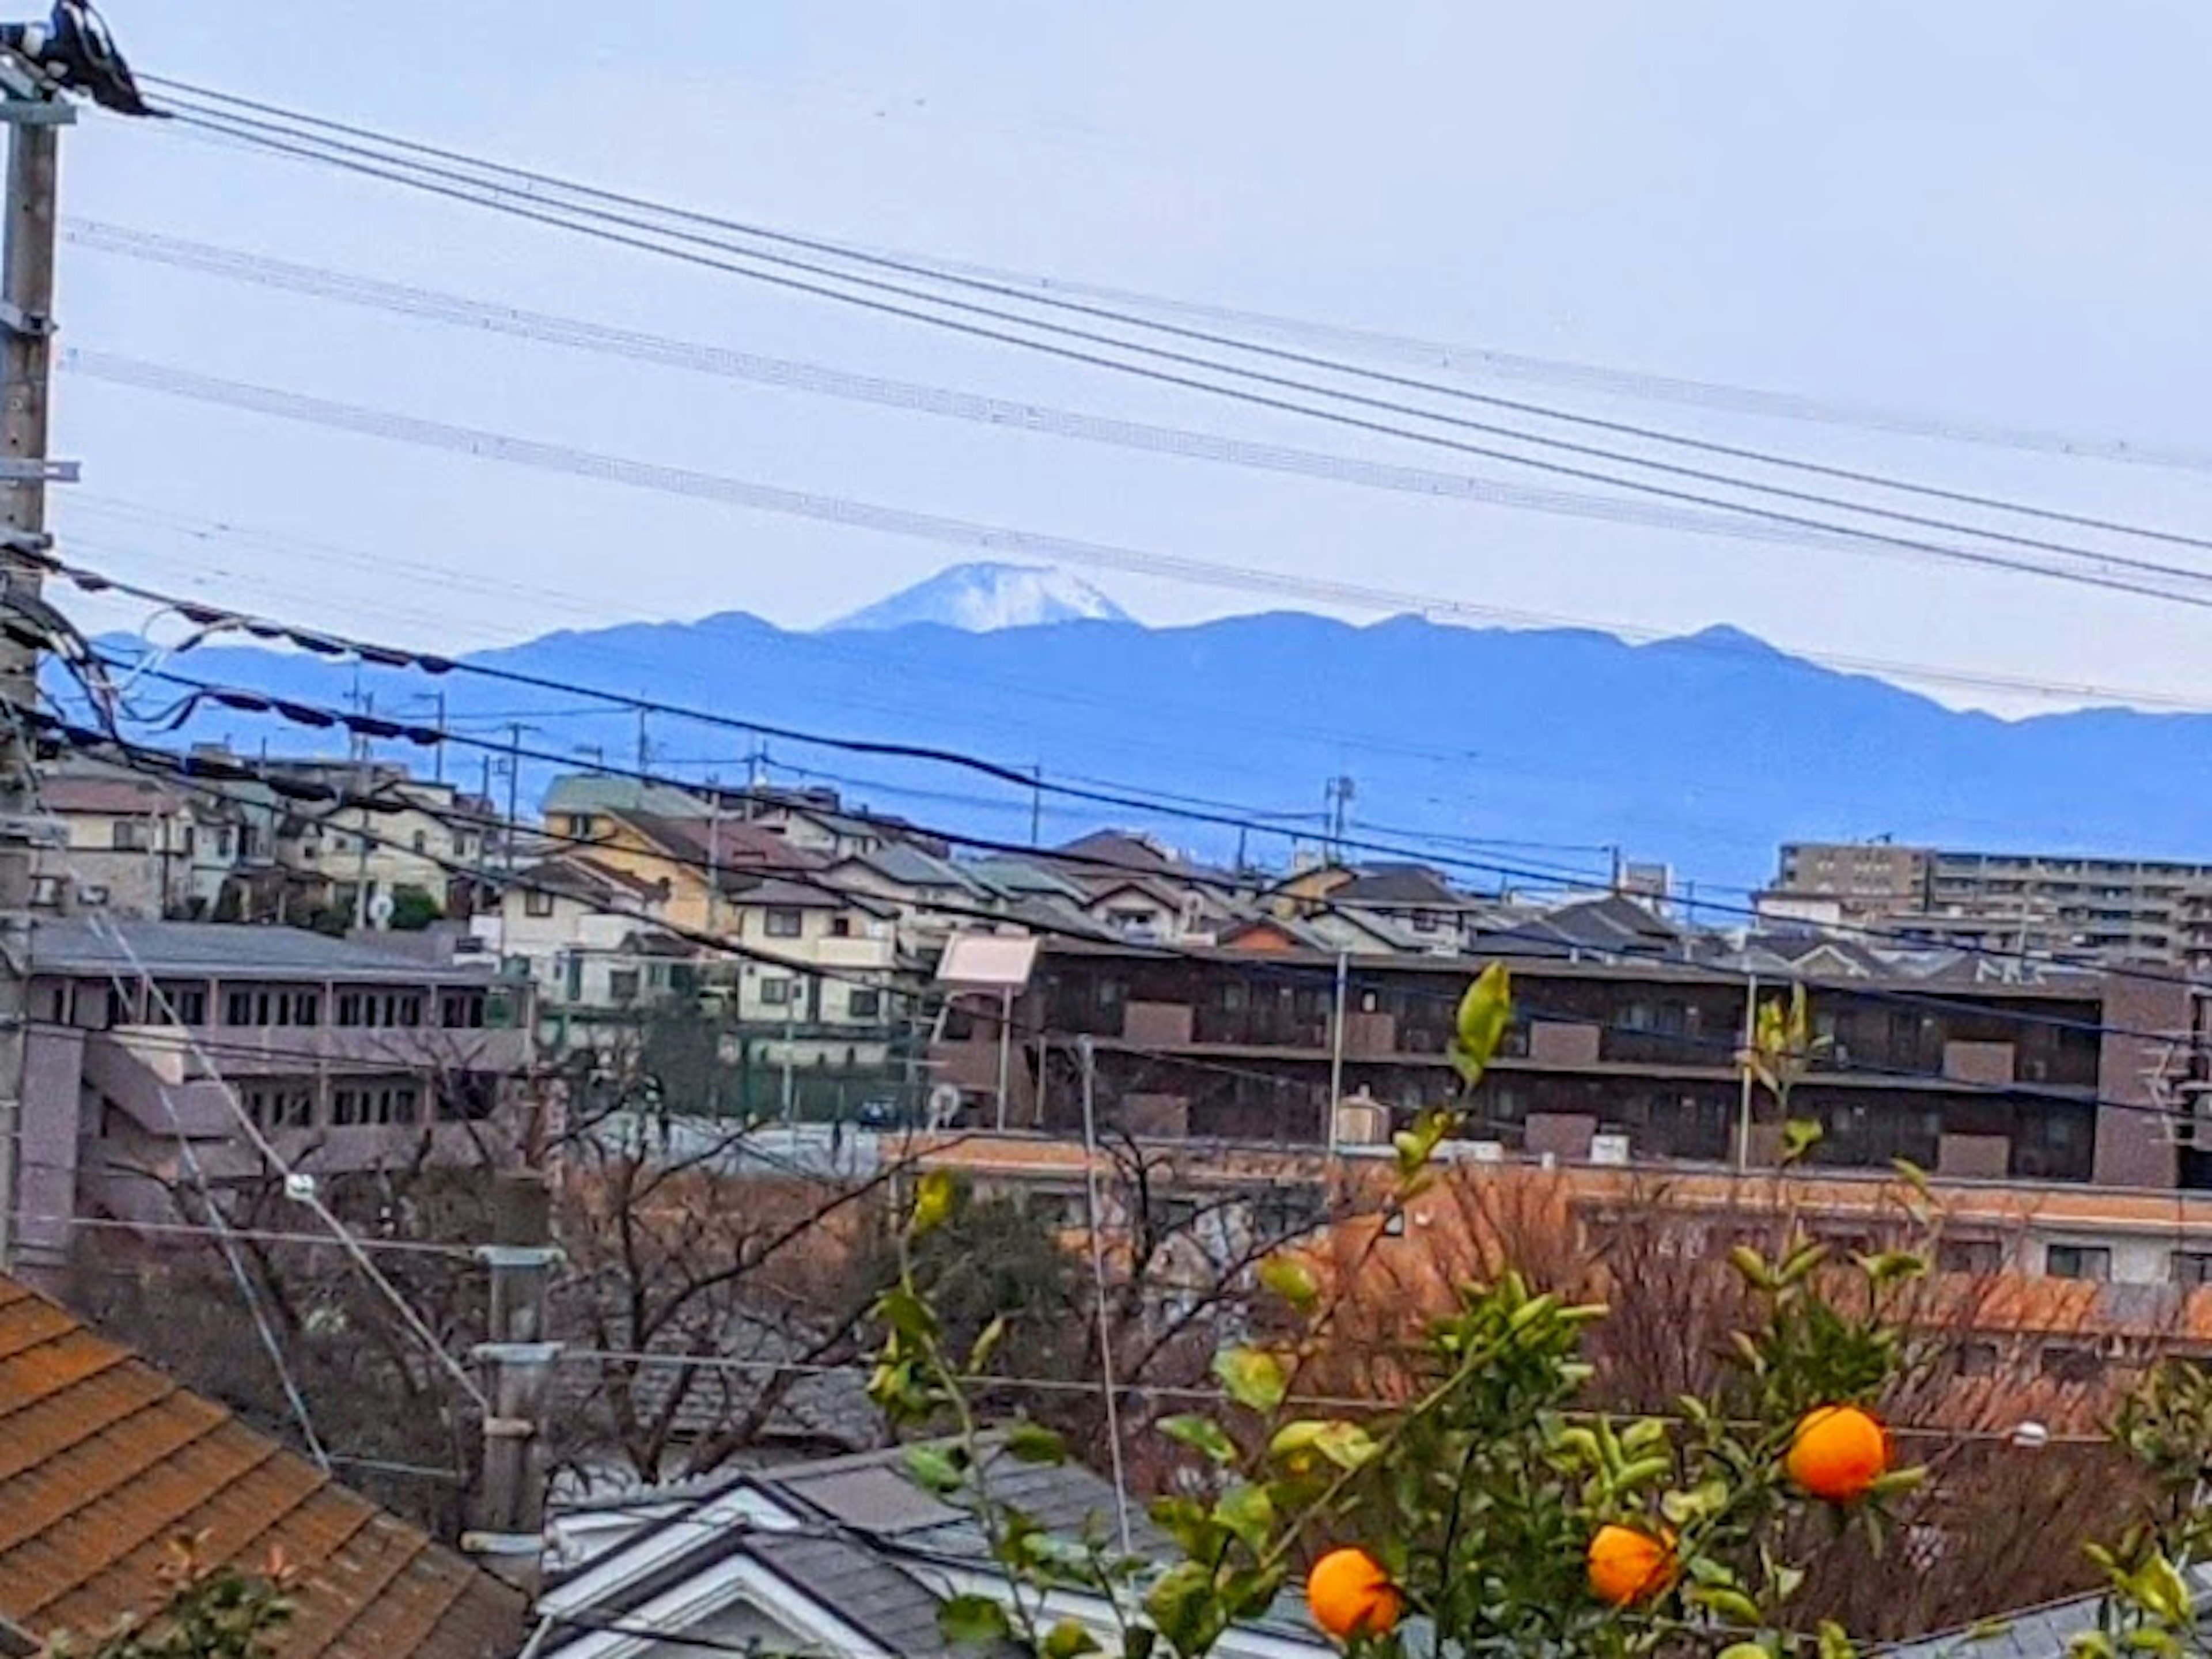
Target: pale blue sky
1989,212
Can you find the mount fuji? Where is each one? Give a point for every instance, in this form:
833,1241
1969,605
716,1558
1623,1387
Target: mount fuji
985,599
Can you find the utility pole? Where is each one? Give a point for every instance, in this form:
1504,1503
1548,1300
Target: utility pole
1036,807
644,744
1338,797
1743,1104
518,1362
366,703
714,852
26,306
1336,1046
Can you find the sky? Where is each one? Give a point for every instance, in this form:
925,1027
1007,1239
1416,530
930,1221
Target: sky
1979,215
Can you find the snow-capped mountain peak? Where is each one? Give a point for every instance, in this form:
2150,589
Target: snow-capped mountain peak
982,598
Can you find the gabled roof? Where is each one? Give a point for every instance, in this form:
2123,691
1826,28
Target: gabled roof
103,1459
2044,1632
737,850
786,895
907,865
593,792
1400,885
1018,876
577,875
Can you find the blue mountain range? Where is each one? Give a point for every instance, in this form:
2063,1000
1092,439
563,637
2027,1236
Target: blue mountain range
1504,756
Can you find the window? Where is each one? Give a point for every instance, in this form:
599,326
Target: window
582,825
1969,1255
537,902
307,1008
462,1011
863,1003
622,984
178,1005
238,1008
2078,1261
2069,1362
2192,1267
347,1106
783,923
408,1010
775,993
132,835
420,842
841,927
281,1105
1975,1358
349,1007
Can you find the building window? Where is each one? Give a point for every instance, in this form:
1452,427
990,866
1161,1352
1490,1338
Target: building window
1969,1255
622,984
537,902
178,1005
775,993
238,1008
2078,1261
307,1008
422,842
841,927
349,1004
2192,1267
2070,1362
462,1011
863,1003
408,1009
347,1106
582,825
132,835
783,923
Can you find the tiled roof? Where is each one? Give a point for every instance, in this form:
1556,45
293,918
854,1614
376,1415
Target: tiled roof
104,1460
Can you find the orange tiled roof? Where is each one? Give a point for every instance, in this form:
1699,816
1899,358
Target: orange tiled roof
103,1459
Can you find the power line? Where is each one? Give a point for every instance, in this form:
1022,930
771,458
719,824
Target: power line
1338,418
1061,300
633,345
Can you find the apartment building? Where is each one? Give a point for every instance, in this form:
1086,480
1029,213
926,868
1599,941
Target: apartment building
2065,1076
2103,910
149,1040
133,846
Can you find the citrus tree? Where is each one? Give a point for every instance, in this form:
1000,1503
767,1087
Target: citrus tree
1490,1507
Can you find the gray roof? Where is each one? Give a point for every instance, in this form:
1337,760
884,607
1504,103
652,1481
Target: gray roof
86,947
2044,1632
911,866
591,792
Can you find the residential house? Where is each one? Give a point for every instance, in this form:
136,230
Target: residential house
845,1557
417,859
152,1044
817,821
586,936
702,859
108,1460
133,846
935,897
819,989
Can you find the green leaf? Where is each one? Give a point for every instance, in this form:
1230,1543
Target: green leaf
1743,1650
1292,1279
1068,1640
1834,1643
933,1200
1247,1511
934,1469
1201,1434
1255,1379
986,1344
1033,1443
972,1621
1891,1265
1183,1604
1799,1136
907,1313
1485,1014
1732,1605
1347,1445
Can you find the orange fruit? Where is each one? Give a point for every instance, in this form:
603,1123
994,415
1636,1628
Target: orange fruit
1837,1453
1350,1594
1628,1565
